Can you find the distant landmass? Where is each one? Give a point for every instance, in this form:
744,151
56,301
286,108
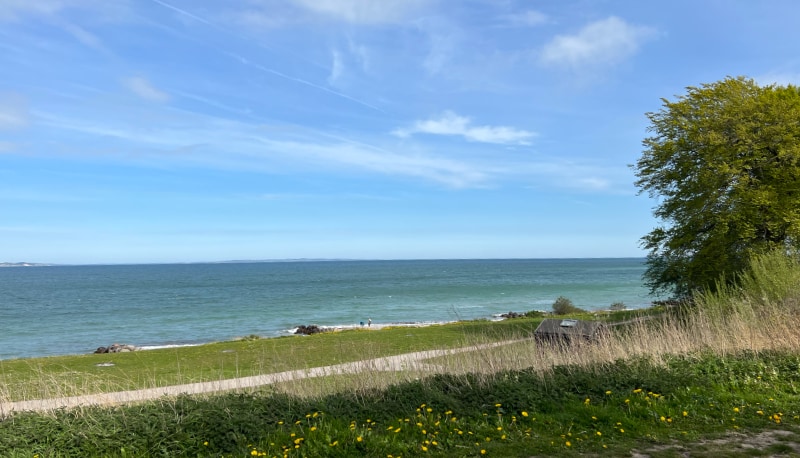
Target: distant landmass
22,264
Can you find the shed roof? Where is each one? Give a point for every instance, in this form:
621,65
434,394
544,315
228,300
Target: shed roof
556,327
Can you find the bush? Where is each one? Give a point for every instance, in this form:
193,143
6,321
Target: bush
618,306
564,306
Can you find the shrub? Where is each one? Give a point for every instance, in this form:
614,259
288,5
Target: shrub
618,306
564,306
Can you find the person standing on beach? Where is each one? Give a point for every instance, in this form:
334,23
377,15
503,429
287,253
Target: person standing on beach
369,322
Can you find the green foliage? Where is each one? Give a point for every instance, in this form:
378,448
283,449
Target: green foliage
618,306
630,403
723,162
564,306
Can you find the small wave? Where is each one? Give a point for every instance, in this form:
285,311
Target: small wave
160,347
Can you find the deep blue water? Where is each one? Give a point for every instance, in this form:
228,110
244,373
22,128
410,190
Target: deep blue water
74,309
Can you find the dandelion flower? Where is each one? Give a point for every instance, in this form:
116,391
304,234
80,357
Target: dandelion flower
359,439
524,414
736,409
568,444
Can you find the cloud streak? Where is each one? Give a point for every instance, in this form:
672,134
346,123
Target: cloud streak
13,111
365,12
452,124
144,89
600,43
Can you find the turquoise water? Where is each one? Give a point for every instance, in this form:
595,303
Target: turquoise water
74,309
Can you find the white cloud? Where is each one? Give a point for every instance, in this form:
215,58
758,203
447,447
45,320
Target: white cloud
15,9
144,89
13,111
337,67
365,11
452,124
781,79
530,18
600,43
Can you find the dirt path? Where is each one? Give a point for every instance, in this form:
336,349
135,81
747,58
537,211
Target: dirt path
406,361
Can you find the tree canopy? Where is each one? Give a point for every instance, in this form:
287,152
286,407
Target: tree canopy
723,163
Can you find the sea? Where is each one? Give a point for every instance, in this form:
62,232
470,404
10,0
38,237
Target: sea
57,310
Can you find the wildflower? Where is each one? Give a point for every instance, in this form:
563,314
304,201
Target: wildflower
622,430
503,437
568,444
736,409
313,428
587,401
449,412
397,430
663,418
608,392
498,405
685,413
254,452
424,448
334,443
429,410
760,412
599,433
524,414
499,428
204,443
359,439
483,451
627,401
637,390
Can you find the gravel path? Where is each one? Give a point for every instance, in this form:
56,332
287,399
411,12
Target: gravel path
406,361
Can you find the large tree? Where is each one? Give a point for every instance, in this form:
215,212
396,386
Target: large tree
723,163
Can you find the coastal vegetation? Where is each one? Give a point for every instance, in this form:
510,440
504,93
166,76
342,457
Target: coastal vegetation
669,379
723,161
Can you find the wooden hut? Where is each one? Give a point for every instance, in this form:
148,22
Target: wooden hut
556,329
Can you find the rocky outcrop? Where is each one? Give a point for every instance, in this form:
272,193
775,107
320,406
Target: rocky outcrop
309,329
116,348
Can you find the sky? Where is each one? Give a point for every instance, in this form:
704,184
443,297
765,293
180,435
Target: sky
151,131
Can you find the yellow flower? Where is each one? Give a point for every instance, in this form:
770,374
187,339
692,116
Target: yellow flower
254,452
429,410
599,433
524,414
397,430
685,413
663,418
608,392
621,430
736,409
568,444
498,405
637,390
334,443
424,448
760,412
204,443
483,452
359,439
313,428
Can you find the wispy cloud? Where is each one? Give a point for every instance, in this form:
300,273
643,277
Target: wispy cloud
13,111
529,18
16,9
604,42
144,89
779,78
366,12
453,124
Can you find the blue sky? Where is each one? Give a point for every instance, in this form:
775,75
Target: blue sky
136,131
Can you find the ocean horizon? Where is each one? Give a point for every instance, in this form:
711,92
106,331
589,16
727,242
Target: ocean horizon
72,309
